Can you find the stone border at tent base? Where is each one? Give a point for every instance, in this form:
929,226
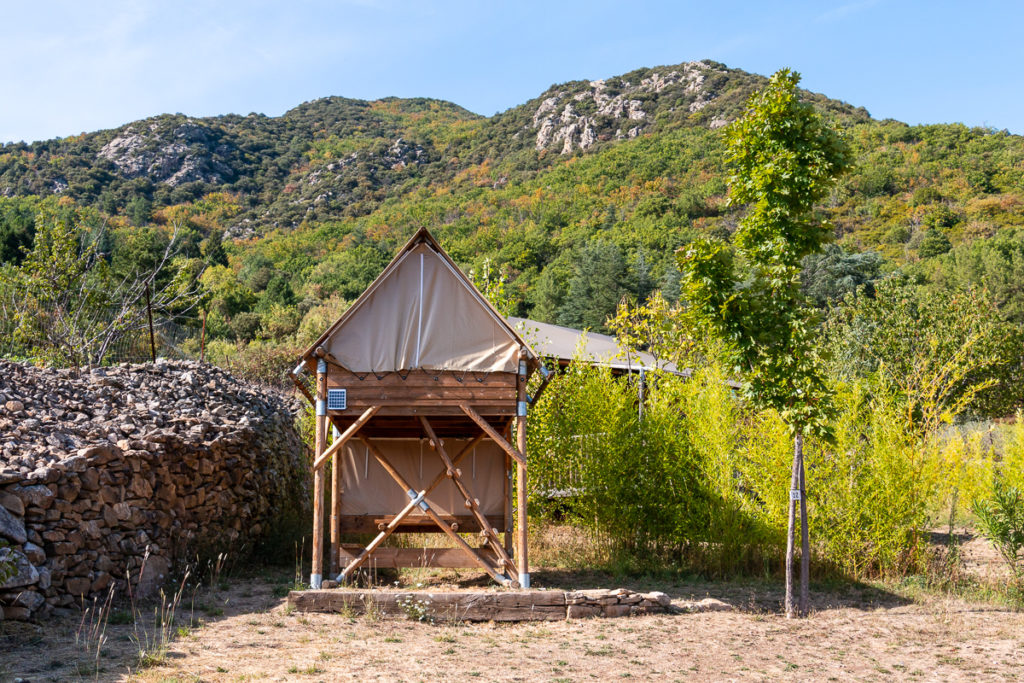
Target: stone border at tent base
534,605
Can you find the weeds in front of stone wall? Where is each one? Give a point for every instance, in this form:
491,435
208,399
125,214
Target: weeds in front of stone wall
91,634
372,612
153,646
215,570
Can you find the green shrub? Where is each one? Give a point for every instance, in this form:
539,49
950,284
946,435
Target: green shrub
1001,521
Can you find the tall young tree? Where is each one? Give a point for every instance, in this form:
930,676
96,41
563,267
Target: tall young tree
784,159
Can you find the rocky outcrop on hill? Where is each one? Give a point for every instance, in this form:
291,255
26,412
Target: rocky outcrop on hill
188,153
576,118
102,470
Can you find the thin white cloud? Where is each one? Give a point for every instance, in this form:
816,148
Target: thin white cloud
845,10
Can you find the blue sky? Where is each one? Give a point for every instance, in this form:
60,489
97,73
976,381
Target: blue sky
79,66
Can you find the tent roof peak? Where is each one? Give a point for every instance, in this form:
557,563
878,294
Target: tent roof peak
423,305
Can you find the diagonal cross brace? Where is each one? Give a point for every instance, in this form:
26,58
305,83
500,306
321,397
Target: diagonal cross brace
416,501
345,436
456,476
493,433
461,542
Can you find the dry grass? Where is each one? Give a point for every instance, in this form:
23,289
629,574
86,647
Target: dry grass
856,632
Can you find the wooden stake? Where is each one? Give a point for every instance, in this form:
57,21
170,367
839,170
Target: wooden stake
317,572
805,541
202,340
794,485
522,557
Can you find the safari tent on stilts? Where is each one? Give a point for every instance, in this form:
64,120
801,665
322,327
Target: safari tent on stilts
424,385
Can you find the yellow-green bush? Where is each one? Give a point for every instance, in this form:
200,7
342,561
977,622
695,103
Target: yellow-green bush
1011,467
701,481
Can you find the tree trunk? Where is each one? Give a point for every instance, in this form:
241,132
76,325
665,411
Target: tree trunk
805,542
794,483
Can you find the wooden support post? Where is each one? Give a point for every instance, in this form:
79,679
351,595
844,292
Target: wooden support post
522,557
507,475
335,563
149,314
317,572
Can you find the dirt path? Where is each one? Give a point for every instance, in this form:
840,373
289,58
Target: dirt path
861,633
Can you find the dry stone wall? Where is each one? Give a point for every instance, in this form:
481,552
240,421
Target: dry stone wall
123,471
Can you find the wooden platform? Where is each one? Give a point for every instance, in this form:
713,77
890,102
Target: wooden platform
454,606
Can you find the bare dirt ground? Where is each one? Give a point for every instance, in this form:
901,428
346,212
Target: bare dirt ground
244,632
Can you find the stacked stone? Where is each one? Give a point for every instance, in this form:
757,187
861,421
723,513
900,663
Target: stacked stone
619,602
121,471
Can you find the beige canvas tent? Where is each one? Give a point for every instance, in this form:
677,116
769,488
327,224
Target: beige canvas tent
424,384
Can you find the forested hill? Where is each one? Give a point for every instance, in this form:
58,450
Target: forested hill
578,197
337,157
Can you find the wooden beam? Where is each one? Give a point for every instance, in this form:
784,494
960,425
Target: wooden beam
441,606
418,379
493,433
416,523
446,558
401,407
543,385
302,388
439,447
461,542
466,450
346,435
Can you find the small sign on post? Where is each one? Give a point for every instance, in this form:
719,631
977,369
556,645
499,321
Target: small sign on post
794,494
